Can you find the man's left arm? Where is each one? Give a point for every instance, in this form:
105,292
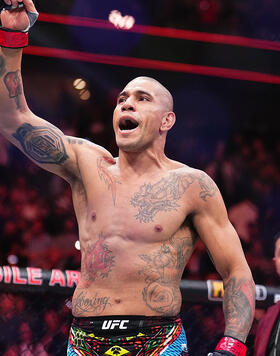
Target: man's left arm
223,244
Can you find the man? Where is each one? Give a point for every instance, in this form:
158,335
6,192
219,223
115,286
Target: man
267,340
139,217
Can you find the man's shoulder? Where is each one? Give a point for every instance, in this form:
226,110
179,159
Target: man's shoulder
184,169
81,146
199,184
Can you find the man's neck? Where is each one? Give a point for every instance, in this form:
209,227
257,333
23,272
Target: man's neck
139,163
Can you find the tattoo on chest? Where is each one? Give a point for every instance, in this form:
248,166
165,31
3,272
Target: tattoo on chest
106,176
98,260
165,194
2,66
13,84
84,304
42,143
162,272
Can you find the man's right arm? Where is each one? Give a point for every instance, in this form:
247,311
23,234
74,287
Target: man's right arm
39,140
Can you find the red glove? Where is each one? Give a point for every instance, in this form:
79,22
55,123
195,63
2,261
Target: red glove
16,23
13,39
229,346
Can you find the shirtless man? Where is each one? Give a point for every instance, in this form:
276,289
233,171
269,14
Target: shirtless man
139,217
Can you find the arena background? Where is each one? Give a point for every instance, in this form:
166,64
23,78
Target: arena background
220,60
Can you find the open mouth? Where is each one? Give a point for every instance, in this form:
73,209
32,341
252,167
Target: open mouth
127,124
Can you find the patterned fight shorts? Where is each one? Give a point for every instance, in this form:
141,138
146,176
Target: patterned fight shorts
127,336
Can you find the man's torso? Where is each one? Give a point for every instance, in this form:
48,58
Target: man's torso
135,237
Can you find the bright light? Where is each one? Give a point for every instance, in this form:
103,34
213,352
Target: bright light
119,21
12,259
79,84
85,94
77,245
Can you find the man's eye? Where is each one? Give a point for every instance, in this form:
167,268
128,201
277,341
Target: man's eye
143,98
121,100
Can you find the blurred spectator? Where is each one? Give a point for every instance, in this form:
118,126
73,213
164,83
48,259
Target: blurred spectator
242,215
10,318
37,243
12,351
267,340
27,346
53,335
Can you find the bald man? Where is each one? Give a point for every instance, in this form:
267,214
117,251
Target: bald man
140,216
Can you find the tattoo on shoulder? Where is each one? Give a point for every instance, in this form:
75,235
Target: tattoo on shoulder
239,301
165,194
208,187
106,176
2,66
13,84
42,143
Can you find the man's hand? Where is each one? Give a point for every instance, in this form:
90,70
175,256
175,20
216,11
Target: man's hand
19,18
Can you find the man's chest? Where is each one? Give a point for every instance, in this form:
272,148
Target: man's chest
155,205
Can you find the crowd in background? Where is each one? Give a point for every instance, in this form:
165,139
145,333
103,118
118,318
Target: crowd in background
37,223
250,18
38,228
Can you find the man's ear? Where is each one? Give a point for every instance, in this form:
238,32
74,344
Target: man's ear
168,121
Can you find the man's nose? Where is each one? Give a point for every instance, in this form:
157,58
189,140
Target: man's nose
128,106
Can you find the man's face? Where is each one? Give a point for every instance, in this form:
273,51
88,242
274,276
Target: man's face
276,258
138,115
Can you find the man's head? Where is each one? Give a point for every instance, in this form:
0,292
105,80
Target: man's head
276,257
143,115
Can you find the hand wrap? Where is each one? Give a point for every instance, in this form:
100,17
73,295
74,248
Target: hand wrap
16,39
13,39
229,346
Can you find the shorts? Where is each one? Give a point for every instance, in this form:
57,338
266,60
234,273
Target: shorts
127,336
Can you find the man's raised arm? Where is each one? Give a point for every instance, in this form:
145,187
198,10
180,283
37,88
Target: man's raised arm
223,244
42,142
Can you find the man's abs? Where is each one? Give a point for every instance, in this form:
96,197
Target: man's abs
128,278
153,297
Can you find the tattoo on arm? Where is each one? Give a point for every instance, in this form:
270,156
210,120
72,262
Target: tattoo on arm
239,306
2,66
42,143
79,141
207,185
13,84
106,176
164,194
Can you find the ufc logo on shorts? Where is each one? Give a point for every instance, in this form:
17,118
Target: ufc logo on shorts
111,324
